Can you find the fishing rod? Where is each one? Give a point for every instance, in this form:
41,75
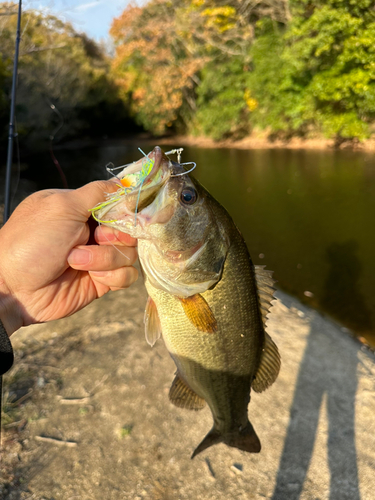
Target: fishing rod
6,351
11,121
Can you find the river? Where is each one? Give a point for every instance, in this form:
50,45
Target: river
306,214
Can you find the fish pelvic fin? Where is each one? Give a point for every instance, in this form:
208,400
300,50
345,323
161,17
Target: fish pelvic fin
199,313
245,439
182,396
269,366
152,322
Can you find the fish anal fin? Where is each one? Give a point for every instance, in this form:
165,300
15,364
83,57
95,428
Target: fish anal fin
244,439
265,285
269,366
182,396
199,313
152,322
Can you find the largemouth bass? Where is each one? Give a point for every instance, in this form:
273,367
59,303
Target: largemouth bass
206,298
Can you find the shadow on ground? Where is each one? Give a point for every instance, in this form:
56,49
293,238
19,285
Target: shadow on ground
327,370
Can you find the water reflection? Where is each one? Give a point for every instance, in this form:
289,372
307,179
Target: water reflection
342,297
327,369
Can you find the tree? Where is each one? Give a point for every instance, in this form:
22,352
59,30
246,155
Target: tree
167,55
321,77
62,75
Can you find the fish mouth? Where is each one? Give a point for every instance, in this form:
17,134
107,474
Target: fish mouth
139,183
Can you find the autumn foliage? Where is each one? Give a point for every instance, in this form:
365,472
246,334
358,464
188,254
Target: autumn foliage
222,68
163,48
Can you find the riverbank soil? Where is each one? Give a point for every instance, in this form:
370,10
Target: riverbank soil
93,420
262,140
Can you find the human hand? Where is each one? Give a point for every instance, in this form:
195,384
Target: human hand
47,270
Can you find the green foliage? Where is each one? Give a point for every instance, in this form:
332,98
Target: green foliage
271,82
221,107
321,75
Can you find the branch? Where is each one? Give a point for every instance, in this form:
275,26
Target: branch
8,13
41,49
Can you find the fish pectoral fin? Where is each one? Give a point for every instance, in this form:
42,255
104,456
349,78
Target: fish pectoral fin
199,313
182,396
269,366
152,322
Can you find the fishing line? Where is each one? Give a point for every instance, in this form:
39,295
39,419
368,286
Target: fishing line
18,163
110,242
149,163
136,205
52,138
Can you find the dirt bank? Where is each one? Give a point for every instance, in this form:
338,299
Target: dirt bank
95,421
264,142
255,141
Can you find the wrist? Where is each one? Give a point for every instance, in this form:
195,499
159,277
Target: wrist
9,311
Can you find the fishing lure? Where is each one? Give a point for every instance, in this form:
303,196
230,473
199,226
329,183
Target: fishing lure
129,184
133,181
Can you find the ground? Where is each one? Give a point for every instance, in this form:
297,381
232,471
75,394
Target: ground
87,415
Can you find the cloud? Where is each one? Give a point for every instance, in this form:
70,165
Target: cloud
87,6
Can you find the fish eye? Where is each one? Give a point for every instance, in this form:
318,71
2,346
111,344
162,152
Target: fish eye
188,196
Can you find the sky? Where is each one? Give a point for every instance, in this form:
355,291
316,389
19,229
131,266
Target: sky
94,17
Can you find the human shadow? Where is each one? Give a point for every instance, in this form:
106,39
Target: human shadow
342,297
328,369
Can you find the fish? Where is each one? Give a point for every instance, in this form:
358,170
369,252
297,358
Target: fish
206,298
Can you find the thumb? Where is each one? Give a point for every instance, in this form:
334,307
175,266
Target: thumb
92,194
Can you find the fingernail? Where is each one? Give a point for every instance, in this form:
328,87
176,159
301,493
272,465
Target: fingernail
79,257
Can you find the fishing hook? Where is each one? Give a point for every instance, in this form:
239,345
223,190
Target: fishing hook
188,171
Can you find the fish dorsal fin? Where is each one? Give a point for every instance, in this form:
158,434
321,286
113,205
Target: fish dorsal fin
199,313
269,366
152,322
183,397
266,290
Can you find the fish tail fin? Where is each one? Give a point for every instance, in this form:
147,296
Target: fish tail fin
245,440
213,437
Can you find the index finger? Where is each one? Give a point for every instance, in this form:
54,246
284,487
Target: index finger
109,236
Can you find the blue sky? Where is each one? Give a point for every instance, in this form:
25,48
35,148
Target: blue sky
94,17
